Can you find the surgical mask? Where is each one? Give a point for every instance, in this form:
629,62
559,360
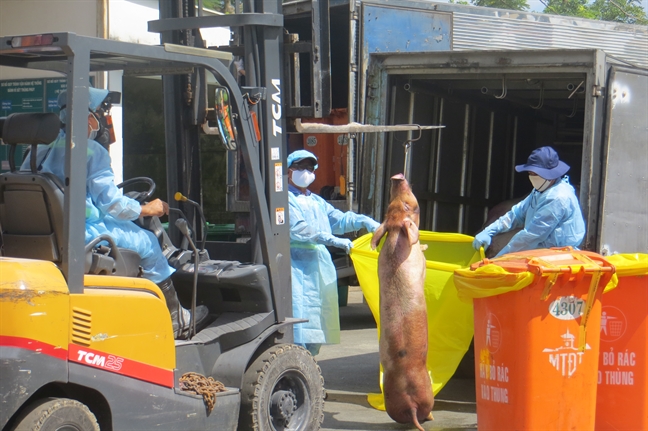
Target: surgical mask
303,178
539,183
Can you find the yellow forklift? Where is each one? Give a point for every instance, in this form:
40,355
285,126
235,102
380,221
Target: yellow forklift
86,344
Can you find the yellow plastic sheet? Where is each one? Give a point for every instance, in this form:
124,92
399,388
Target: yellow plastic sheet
493,280
450,321
627,265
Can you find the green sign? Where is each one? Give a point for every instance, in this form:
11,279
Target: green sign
27,95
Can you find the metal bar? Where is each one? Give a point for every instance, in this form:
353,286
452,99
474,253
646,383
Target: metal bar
436,168
464,166
231,20
489,159
321,60
356,128
298,47
389,154
407,168
76,140
436,112
273,148
513,156
351,109
594,132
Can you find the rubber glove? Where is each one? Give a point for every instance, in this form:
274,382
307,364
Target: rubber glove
482,239
343,243
371,225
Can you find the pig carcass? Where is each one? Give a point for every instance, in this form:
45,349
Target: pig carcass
403,314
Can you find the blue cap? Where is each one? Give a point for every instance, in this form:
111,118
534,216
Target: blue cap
544,161
299,155
97,95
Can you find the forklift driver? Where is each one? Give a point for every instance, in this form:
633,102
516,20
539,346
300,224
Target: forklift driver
108,211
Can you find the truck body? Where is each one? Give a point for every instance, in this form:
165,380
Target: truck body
502,83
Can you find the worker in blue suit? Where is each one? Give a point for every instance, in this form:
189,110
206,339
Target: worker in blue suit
313,226
108,211
550,216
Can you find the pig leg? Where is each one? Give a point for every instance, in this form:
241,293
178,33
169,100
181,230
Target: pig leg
377,236
411,230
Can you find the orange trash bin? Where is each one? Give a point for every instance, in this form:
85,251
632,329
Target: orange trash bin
537,315
622,396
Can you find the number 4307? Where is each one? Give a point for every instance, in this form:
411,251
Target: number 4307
569,306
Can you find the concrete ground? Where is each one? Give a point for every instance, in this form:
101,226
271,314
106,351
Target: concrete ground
350,371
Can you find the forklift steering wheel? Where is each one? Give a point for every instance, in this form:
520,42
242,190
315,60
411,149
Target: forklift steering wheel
140,197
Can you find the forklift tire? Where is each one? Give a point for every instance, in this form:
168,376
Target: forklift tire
56,414
283,389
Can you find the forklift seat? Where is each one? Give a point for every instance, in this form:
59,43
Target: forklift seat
31,203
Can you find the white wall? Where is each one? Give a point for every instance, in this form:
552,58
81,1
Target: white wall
128,21
19,17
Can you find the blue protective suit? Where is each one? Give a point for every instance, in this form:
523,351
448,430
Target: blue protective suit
108,211
313,223
552,218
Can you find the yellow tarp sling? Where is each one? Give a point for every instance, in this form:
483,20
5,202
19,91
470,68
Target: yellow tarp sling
450,321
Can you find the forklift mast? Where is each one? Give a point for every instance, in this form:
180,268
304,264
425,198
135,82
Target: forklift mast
259,26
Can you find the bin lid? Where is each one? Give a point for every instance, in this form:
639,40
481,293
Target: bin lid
547,260
514,271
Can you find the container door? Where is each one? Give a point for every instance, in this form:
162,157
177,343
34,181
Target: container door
624,225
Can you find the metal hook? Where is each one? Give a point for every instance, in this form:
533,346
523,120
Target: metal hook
573,112
407,145
541,102
503,95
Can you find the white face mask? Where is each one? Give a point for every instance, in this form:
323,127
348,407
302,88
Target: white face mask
539,183
303,178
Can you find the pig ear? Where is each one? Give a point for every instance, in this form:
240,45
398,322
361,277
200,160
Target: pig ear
377,236
412,231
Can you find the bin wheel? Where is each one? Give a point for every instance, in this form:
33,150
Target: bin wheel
283,389
56,414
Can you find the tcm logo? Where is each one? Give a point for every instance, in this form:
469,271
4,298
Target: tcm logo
276,107
110,362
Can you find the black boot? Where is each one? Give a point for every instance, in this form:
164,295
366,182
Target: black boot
180,317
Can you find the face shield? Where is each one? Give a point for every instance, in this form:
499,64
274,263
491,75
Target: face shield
106,134
94,126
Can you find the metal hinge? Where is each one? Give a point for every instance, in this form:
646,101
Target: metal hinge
597,91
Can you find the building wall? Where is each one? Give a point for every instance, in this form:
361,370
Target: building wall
19,17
